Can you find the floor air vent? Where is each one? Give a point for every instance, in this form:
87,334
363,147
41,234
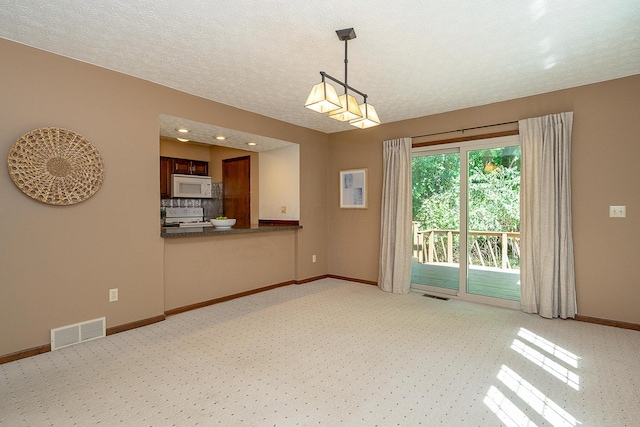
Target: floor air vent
435,297
80,332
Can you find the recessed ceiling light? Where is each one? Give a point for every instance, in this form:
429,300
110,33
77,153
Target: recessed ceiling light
182,139
251,143
221,137
183,130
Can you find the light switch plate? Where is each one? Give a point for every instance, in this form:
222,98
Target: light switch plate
617,211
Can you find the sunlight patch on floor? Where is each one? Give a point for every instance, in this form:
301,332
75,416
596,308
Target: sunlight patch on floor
554,360
551,348
506,410
533,397
549,365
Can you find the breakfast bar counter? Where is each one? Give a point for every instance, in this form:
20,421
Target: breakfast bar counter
212,231
216,264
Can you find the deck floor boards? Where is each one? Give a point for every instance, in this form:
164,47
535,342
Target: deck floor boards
486,281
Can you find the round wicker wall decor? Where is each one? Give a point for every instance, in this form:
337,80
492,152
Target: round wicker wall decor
56,166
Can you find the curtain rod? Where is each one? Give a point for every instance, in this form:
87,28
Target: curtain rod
463,129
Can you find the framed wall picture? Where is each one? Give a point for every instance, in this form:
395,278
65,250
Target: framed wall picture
353,189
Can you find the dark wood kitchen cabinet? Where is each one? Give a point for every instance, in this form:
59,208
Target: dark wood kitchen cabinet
190,167
170,165
165,177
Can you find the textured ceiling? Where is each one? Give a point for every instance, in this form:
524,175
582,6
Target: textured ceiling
412,57
207,133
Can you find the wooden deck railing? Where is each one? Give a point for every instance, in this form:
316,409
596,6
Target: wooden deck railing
486,248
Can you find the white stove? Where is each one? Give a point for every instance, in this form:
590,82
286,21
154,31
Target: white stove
186,217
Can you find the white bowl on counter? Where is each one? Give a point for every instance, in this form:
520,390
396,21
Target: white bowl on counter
223,224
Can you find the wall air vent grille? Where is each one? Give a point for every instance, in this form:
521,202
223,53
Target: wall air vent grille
77,333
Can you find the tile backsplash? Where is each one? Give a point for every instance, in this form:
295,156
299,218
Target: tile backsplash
212,207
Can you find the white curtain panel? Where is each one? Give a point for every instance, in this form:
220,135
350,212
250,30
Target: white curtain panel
547,266
395,230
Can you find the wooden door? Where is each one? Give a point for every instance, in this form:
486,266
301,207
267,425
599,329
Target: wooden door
236,187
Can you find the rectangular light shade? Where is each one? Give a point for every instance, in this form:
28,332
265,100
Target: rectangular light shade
349,111
323,98
370,117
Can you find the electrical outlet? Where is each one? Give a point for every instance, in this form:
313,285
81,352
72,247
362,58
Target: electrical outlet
313,258
113,295
617,211
283,209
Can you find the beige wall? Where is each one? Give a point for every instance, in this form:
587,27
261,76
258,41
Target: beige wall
204,268
606,148
185,150
280,183
58,263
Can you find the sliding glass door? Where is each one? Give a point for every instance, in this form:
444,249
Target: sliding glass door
468,193
493,222
436,221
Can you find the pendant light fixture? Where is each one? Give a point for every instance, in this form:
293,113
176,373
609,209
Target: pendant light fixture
324,99
369,117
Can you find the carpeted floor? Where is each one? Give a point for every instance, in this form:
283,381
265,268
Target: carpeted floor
335,353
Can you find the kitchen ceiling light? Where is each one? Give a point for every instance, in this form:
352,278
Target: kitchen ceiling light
221,138
183,130
251,143
323,97
182,139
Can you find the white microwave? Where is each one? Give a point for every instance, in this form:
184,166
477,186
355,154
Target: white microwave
191,186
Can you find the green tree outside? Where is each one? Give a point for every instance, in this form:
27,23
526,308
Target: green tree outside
494,192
